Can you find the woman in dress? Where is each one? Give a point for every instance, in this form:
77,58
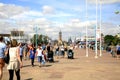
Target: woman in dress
15,62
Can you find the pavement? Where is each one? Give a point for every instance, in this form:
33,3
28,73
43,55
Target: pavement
80,68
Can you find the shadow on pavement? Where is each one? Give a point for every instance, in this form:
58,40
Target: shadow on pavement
46,65
29,79
28,65
54,62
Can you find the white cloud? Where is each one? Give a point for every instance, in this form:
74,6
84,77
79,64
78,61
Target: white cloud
105,1
10,10
28,15
27,19
48,9
3,16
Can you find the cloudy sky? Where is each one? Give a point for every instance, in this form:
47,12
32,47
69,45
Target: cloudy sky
51,16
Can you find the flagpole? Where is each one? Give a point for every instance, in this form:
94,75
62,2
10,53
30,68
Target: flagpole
100,27
96,54
86,31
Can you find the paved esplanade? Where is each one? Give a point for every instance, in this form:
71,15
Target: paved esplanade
80,68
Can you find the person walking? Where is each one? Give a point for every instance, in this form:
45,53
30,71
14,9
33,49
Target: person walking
15,62
50,55
57,51
25,51
62,51
2,51
21,50
118,51
65,50
43,57
32,54
39,54
113,51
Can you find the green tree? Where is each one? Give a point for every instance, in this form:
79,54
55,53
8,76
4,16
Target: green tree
45,39
40,40
34,39
111,40
108,39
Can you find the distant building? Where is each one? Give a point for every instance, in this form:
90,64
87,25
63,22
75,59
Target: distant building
5,35
60,38
19,36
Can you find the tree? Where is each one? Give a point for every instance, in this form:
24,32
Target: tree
108,39
39,38
34,39
117,12
45,39
111,40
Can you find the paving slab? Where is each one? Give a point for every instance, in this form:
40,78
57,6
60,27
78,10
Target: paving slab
81,68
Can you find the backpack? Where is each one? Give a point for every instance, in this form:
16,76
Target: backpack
7,57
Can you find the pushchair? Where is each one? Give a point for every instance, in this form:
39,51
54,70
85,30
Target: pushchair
50,56
70,54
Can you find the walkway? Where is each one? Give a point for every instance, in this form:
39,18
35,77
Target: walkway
80,68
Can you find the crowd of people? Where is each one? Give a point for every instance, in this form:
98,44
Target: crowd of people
18,52
114,50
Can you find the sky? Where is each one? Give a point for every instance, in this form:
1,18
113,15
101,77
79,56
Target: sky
52,16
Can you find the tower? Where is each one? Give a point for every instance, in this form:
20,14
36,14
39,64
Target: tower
60,38
60,35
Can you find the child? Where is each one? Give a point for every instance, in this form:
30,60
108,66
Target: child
43,57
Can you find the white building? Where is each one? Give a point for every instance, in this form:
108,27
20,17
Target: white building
20,36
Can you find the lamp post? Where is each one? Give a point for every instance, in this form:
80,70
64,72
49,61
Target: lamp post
96,53
36,36
86,31
19,34
100,27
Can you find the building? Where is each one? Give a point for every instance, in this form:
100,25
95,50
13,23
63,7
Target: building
19,36
60,38
5,35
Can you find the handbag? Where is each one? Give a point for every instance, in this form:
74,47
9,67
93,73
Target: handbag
7,57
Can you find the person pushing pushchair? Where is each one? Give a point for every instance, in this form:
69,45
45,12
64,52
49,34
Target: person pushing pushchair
70,53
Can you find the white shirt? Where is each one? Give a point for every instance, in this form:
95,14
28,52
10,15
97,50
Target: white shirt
39,52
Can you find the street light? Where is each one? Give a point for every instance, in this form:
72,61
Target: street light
36,31
86,31
96,54
100,27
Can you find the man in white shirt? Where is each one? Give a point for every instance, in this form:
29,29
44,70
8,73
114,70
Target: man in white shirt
39,54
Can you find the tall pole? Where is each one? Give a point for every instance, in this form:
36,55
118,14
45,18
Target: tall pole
36,36
19,30
100,28
19,35
96,54
86,31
